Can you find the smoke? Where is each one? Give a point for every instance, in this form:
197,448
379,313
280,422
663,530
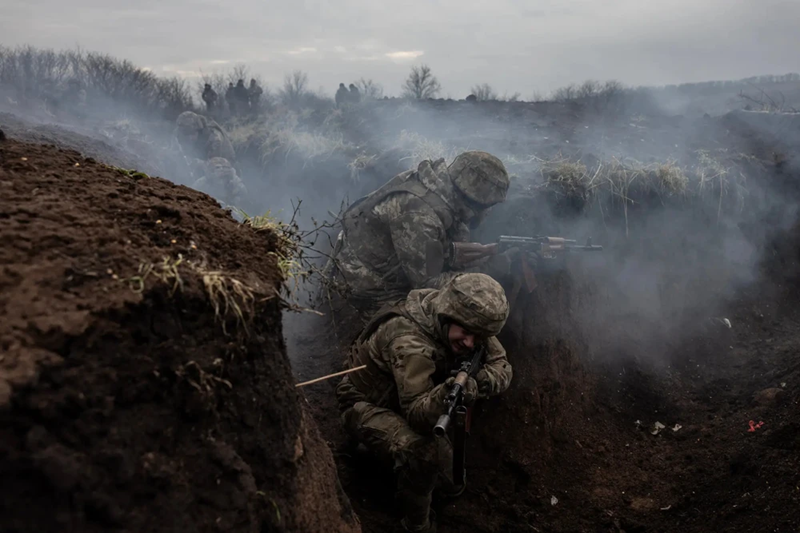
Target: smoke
676,251
672,260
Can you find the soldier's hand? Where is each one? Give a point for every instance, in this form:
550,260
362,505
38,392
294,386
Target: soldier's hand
499,266
470,391
485,384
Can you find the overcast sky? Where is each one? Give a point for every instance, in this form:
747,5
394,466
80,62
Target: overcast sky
515,45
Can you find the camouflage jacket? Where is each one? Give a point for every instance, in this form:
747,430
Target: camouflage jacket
221,181
408,362
218,144
386,233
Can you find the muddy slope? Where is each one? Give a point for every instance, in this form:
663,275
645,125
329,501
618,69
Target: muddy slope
126,403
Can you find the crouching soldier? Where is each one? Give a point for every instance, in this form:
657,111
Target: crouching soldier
410,349
221,181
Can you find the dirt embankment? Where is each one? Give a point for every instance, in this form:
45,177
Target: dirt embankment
127,401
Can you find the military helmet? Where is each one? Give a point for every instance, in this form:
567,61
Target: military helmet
189,122
475,301
480,177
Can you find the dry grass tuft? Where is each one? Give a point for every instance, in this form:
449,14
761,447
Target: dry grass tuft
628,182
359,164
228,294
421,148
165,272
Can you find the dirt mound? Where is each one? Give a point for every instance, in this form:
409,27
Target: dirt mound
143,379
118,144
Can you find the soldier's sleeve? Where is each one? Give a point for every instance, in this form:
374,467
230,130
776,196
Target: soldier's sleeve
421,401
497,367
411,229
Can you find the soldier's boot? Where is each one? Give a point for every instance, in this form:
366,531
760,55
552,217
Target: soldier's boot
416,479
449,490
445,487
430,528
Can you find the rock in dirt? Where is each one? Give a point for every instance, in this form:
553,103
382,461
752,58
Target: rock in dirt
2,136
124,405
770,397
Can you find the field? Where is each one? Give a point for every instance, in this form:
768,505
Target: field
151,339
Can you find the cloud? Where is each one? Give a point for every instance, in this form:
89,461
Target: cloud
405,55
516,45
302,50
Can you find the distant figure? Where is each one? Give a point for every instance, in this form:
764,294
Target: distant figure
242,98
230,98
341,95
355,94
202,138
254,92
210,97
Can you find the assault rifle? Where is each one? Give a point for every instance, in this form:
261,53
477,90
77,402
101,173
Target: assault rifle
461,254
457,411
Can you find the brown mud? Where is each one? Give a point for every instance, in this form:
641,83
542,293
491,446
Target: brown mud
126,402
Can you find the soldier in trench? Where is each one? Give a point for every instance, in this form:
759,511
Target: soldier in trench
410,349
381,252
211,158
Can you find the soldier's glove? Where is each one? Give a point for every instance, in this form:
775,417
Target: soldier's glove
485,384
499,266
470,389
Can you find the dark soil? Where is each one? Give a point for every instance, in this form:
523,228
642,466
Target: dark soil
112,144
124,406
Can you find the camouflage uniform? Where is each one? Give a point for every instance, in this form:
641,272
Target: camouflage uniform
221,181
211,156
392,405
203,137
384,235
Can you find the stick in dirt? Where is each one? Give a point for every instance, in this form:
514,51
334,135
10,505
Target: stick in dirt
343,372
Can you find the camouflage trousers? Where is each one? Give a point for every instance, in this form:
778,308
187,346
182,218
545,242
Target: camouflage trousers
420,463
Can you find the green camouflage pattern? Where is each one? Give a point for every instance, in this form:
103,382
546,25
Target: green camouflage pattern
385,236
392,405
480,176
205,138
221,181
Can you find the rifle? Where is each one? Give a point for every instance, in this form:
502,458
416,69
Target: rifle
456,410
461,254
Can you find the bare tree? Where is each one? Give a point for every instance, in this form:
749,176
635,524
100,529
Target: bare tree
421,83
483,92
369,89
238,72
565,94
295,86
513,98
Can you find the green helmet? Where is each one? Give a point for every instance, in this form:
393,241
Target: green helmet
475,301
480,176
189,122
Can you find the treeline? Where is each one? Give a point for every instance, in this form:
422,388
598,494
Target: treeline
96,83
30,75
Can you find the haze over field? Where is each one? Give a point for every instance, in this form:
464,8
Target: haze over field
517,46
